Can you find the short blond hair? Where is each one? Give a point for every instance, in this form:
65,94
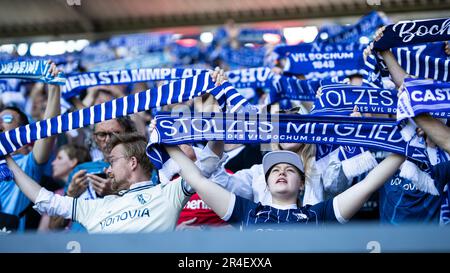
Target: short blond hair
135,145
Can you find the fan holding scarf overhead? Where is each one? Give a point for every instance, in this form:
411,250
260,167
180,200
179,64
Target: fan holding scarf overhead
13,203
417,96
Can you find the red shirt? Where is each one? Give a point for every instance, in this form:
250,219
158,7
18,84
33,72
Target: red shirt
195,207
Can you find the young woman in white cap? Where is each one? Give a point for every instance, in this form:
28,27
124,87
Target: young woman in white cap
284,180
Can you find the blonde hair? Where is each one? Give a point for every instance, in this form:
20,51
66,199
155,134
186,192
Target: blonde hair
135,145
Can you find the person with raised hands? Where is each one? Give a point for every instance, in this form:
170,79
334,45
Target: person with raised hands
13,203
400,200
284,180
138,206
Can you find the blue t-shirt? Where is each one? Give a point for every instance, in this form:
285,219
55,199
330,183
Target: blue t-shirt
401,201
12,200
251,215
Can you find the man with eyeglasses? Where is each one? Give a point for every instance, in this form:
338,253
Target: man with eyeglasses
85,186
139,205
13,203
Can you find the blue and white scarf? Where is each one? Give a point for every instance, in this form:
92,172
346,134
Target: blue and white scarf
366,26
368,133
350,62
434,49
419,63
258,77
340,99
291,88
81,81
414,32
285,50
422,96
288,87
372,133
37,70
345,62
175,92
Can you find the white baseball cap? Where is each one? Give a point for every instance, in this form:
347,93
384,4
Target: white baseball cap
273,158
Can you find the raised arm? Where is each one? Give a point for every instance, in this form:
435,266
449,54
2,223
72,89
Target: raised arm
26,184
45,201
437,131
210,105
398,74
351,200
42,148
212,194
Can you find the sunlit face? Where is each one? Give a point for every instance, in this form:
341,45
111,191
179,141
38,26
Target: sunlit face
119,169
103,132
62,165
9,120
284,179
293,147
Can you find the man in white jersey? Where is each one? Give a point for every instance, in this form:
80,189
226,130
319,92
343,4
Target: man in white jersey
139,206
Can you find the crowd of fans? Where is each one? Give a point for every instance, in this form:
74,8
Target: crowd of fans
100,179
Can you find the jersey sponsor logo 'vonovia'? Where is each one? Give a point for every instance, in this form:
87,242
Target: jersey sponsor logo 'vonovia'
124,216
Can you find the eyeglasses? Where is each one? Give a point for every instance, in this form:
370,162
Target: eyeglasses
7,118
102,135
112,160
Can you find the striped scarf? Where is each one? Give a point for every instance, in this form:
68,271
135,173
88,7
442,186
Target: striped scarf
419,62
175,92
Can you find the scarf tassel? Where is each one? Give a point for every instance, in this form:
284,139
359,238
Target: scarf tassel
359,164
420,179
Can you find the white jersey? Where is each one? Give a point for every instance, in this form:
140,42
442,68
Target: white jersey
144,208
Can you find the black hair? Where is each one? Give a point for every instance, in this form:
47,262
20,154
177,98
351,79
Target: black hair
23,119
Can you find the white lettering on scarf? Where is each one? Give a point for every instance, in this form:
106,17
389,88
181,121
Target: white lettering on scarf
408,30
